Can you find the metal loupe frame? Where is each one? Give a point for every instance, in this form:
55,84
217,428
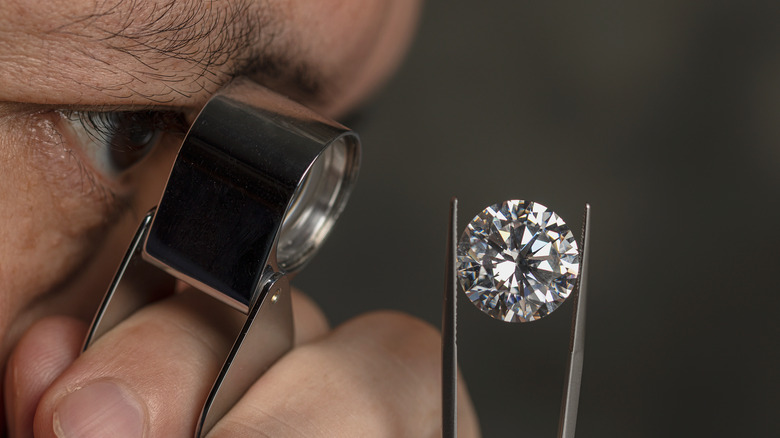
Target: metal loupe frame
257,184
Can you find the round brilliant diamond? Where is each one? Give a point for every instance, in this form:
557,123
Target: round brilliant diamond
517,261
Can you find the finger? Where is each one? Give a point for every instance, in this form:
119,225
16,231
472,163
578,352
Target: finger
309,320
378,375
150,375
468,422
45,350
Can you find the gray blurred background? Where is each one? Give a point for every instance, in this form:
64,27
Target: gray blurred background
665,116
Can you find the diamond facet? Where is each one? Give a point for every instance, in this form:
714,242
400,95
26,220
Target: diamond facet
517,261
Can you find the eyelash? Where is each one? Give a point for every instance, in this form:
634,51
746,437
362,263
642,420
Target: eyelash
114,141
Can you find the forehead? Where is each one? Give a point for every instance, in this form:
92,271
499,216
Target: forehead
94,51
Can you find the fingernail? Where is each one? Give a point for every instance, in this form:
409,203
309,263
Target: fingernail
100,409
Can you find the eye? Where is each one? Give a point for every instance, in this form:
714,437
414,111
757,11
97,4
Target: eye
115,141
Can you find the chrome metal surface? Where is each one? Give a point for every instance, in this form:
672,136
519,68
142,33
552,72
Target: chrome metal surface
135,284
250,160
449,346
571,392
256,187
266,336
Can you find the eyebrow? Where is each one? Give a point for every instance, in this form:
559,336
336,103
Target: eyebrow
215,43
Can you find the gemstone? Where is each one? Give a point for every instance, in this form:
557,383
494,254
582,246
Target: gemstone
517,261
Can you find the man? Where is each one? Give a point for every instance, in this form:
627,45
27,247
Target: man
94,95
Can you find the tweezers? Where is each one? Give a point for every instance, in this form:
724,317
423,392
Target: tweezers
571,394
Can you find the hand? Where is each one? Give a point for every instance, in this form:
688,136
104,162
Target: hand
375,375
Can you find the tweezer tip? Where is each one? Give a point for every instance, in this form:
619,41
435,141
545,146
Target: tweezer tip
449,327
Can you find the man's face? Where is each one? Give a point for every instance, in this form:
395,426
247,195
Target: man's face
94,95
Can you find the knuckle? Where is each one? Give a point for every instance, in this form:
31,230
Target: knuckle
42,351
397,324
262,426
404,346
399,333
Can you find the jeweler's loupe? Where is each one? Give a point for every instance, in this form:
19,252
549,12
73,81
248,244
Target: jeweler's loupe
256,187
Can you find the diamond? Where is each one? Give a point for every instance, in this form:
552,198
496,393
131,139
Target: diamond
517,261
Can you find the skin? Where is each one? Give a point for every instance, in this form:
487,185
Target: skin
66,223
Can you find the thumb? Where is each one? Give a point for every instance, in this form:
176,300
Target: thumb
42,354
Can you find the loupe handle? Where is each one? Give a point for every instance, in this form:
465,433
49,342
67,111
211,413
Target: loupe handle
256,187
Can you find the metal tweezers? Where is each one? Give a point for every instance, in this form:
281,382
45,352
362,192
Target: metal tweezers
571,394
